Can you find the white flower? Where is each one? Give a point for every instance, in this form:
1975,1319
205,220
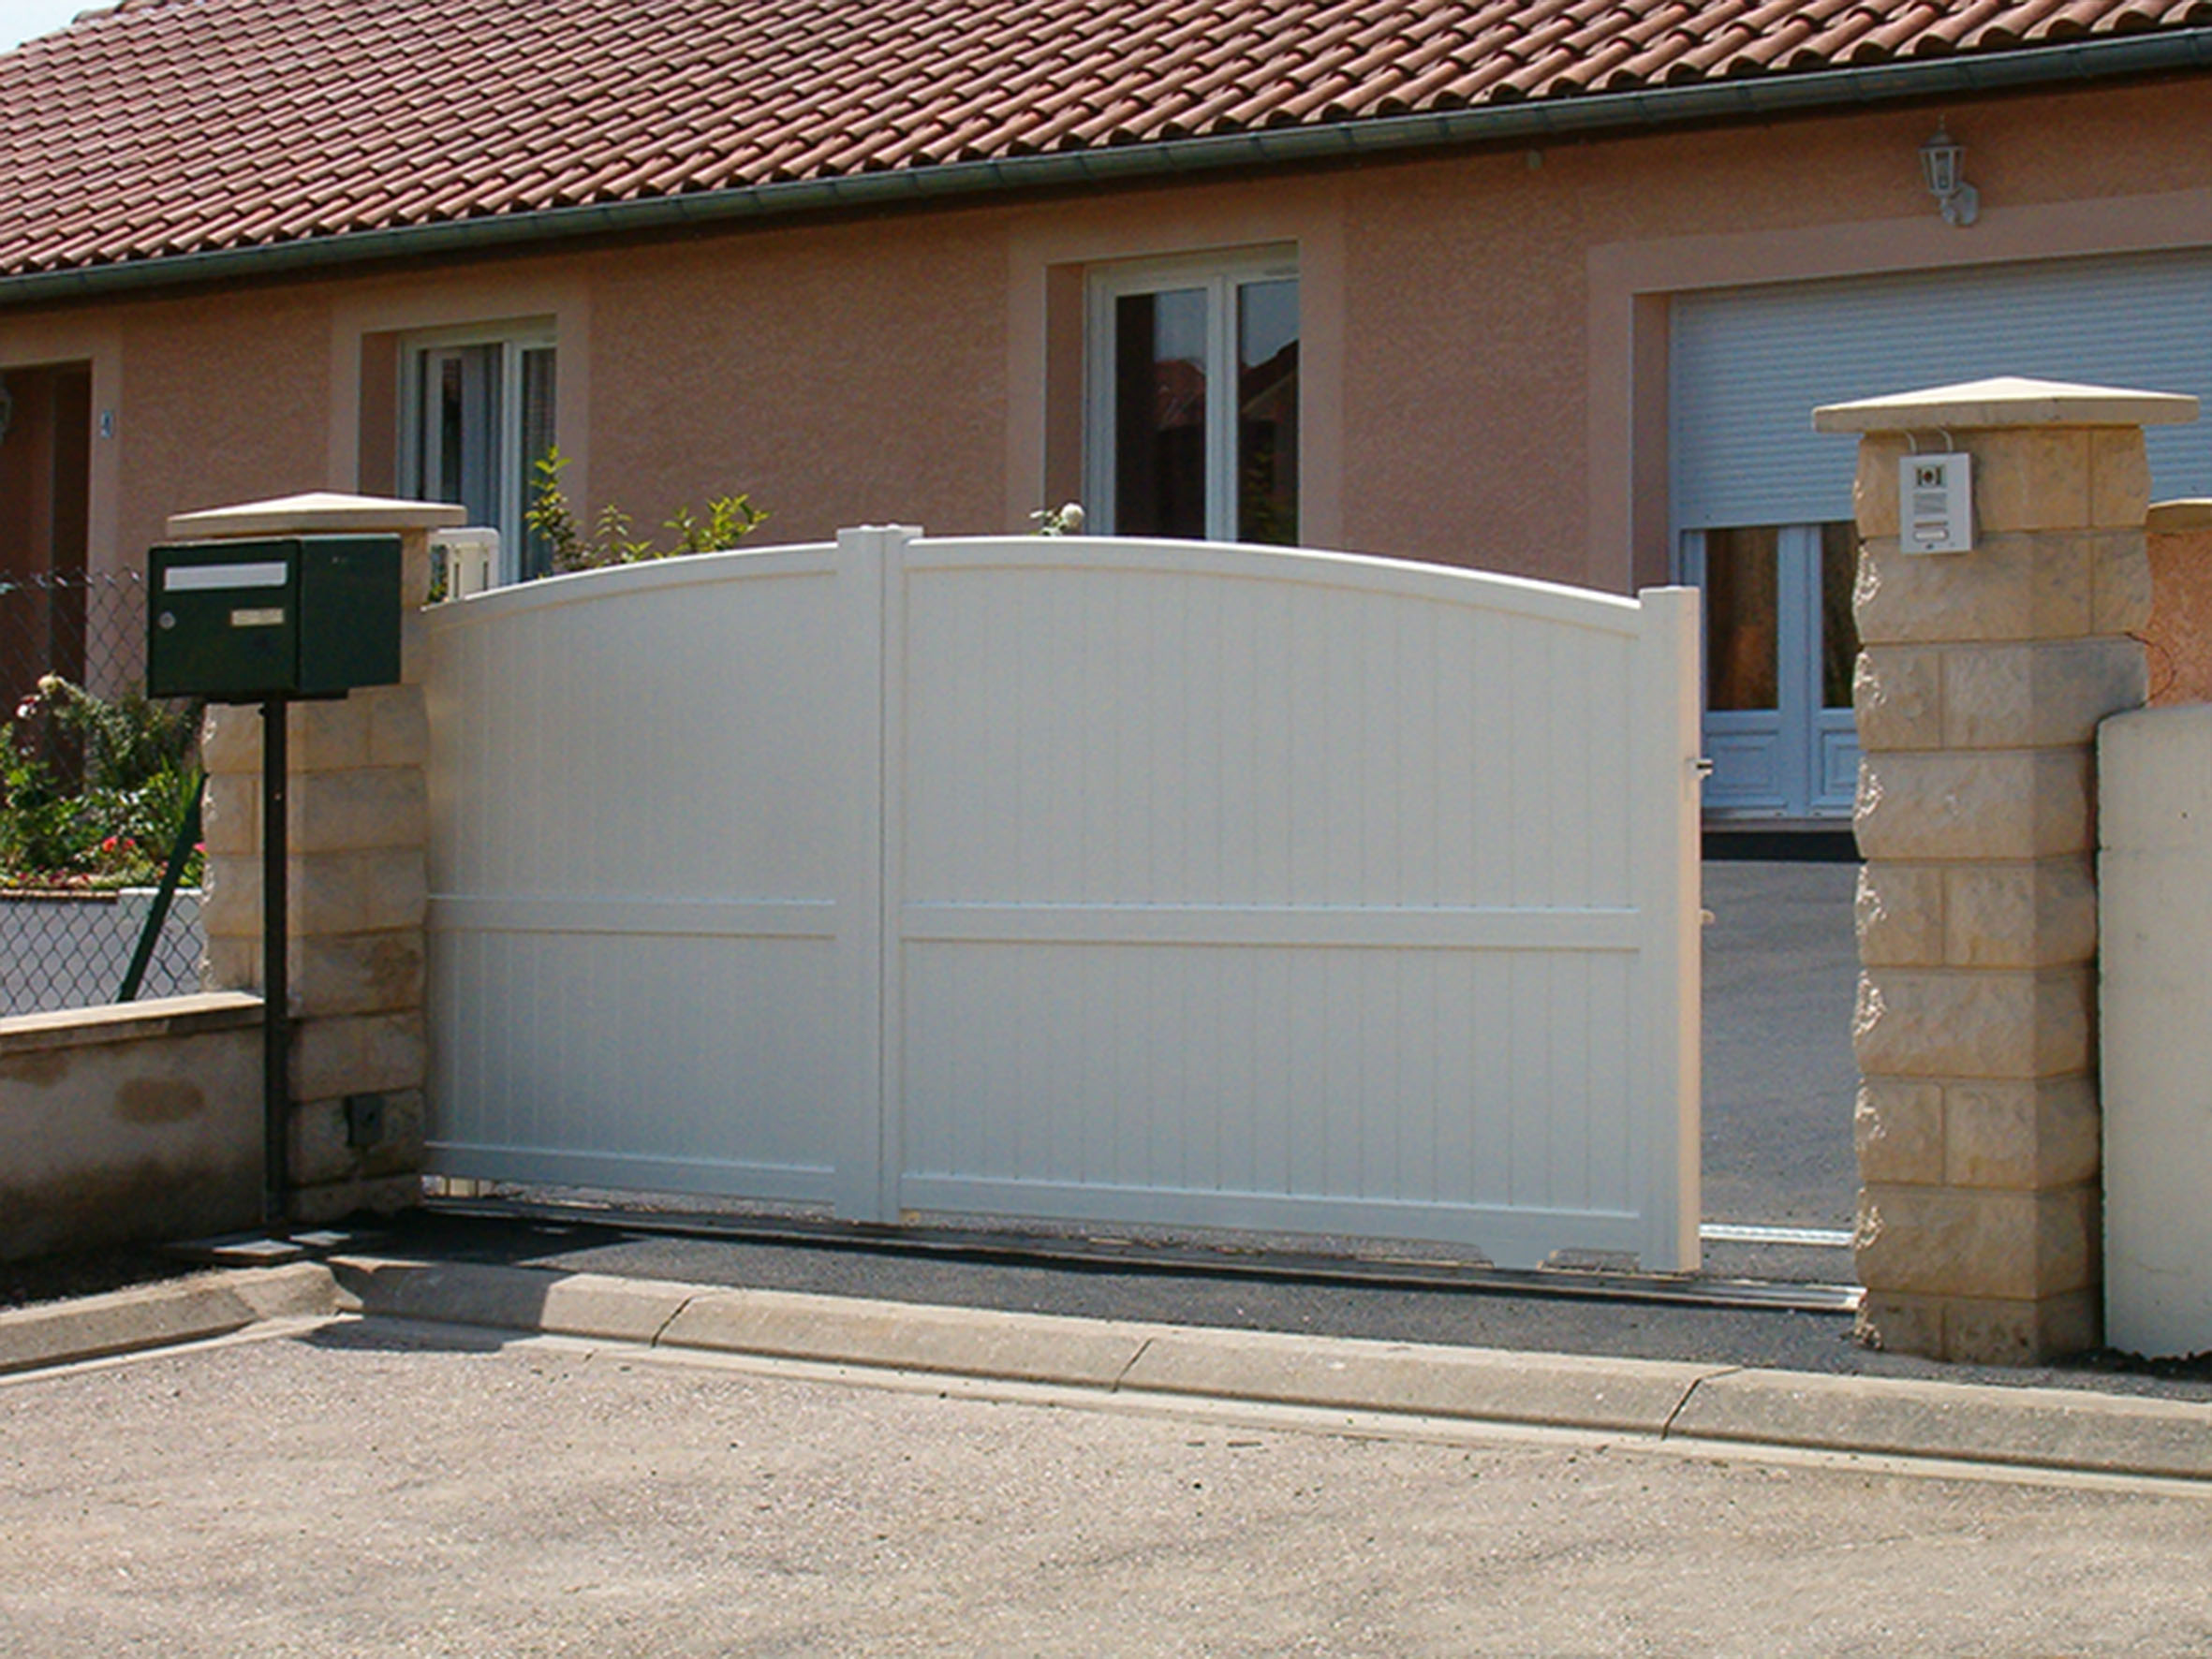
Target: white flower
1060,520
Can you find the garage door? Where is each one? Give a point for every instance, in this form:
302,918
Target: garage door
1759,497
1749,366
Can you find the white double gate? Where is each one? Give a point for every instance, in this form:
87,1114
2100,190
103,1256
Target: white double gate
1093,879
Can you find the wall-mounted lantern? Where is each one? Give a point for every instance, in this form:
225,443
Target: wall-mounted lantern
1939,160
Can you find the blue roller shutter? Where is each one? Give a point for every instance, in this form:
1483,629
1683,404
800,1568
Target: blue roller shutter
1749,365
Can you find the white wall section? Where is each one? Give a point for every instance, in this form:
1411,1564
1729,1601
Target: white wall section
2155,901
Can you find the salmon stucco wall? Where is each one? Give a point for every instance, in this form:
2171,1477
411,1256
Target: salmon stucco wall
230,394
843,375
1483,353
2179,638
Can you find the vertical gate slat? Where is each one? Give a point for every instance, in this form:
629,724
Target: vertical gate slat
871,1128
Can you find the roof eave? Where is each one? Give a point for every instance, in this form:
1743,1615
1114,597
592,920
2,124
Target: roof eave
2126,57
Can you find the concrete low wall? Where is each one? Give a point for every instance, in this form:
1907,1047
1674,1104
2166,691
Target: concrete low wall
130,1123
2155,884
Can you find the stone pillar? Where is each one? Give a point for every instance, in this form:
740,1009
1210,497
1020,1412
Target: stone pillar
1979,686
358,835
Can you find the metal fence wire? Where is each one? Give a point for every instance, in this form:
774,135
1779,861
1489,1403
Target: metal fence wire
95,781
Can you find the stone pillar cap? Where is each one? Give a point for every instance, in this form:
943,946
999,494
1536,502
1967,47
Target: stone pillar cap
2174,518
318,512
2009,400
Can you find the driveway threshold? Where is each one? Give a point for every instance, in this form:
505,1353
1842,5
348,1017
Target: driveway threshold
1272,1261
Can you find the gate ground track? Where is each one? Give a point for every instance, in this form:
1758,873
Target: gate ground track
1107,1252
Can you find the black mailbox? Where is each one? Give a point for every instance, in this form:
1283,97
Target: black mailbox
282,616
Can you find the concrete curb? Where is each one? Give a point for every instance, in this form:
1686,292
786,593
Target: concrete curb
2051,1428
2034,1428
157,1315
2055,1429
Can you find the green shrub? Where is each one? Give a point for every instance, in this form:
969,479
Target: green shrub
612,540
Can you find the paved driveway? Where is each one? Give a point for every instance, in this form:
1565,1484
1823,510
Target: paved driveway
370,1488
1781,971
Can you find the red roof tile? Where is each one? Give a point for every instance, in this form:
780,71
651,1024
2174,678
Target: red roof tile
179,126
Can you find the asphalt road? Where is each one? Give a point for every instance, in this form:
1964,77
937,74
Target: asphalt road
364,1488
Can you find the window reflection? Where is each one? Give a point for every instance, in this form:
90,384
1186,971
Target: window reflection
1839,628
1197,377
539,390
1267,411
1160,398
1742,604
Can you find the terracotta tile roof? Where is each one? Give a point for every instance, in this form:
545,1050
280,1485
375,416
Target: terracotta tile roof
173,127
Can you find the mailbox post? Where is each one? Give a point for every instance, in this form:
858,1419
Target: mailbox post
266,622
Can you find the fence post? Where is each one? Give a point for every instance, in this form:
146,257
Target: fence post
1979,689
870,574
1667,892
358,825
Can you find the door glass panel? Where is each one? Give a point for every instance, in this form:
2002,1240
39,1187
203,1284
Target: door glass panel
1267,411
1839,630
1159,414
1741,606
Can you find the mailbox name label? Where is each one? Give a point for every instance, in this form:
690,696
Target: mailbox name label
270,618
186,578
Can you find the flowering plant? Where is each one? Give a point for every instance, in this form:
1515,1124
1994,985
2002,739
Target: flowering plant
93,791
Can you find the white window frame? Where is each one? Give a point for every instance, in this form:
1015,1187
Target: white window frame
513,339
1219,275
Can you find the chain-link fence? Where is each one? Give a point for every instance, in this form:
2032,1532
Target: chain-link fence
97,786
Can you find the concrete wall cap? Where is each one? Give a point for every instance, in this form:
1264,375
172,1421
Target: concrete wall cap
318,511
109,1023
2177,518
2010,400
